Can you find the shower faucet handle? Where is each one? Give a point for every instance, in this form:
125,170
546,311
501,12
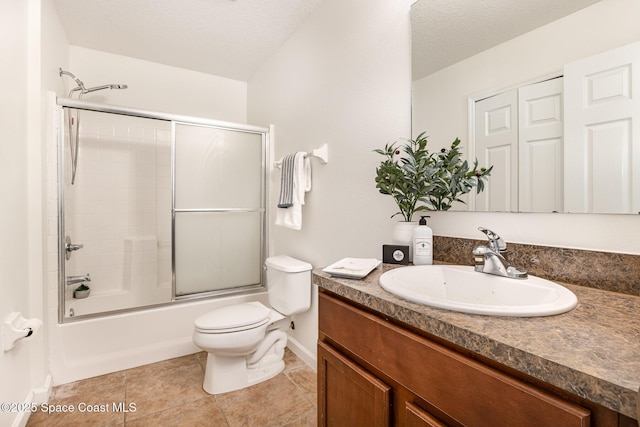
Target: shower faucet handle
70,247
74,247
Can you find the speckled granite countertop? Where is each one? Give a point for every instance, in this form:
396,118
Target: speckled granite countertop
592,351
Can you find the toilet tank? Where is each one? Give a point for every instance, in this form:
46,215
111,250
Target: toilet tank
289,284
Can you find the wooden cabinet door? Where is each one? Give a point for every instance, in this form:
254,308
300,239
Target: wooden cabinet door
348,395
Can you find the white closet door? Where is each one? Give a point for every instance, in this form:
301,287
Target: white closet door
602,149
540,147
496,140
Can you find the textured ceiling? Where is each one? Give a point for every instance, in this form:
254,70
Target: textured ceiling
233,38
221,37
447,31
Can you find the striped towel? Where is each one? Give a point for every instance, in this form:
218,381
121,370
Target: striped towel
286,181
291,217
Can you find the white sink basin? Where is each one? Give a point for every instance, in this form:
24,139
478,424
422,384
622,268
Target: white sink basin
461,288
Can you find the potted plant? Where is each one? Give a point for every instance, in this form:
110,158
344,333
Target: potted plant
81,291
420,180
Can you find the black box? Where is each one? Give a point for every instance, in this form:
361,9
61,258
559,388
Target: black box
395,254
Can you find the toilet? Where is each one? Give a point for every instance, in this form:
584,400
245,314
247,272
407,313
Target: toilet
245,342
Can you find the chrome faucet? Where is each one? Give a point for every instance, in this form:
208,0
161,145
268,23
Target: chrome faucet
70,247
491,260
71,280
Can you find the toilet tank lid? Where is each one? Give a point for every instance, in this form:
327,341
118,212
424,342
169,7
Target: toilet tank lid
287,264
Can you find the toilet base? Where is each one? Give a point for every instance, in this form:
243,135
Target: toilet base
267,371
225,374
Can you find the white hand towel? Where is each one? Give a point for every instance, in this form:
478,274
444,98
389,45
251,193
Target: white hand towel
291,217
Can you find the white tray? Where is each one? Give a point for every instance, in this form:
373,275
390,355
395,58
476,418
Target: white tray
352,268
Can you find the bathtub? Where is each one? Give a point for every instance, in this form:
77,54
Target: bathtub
113,301
97,346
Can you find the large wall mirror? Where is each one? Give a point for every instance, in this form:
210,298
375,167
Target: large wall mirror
547,92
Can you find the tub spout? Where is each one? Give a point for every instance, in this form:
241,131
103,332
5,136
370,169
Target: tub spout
72,280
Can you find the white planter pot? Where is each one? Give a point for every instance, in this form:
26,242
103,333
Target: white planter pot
81,294
403,235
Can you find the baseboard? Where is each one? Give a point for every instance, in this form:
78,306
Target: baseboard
35,397
42,394
300,351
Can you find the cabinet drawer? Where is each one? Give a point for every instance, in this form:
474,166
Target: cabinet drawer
468,391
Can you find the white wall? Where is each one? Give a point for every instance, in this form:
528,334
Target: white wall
23,369
440,108
158,87
342,79
14,365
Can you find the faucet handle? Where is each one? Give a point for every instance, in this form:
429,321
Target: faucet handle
496,242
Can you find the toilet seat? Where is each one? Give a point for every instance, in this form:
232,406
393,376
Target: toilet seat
233,318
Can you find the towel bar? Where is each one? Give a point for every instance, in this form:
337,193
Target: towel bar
320,153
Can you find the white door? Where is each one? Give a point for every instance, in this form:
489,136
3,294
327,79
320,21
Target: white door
540,129
602,148
496,142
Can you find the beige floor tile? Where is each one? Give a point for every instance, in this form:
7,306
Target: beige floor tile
275,402
164,389
169,393
309,420
155,368
306,379
94,402
202,358
291,361
203,412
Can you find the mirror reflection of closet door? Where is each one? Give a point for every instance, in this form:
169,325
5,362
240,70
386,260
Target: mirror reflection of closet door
496,143
218,208
540,147
602,148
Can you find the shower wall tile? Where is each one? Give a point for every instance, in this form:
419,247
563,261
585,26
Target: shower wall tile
105,130
121,130
138,133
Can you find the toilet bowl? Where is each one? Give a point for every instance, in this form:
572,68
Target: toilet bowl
245,342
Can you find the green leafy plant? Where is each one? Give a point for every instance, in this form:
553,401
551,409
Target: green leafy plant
420,180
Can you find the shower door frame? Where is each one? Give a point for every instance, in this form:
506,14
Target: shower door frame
173,119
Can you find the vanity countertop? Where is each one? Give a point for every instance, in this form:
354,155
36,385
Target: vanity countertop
592,351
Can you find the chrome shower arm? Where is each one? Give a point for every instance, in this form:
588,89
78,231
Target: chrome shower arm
78,81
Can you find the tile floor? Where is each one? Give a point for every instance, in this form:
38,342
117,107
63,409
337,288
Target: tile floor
169,393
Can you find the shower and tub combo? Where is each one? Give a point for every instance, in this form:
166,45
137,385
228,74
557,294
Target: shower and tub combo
157,211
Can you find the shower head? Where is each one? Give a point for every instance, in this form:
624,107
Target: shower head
110,86
84,90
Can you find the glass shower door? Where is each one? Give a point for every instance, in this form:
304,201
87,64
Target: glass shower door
218,209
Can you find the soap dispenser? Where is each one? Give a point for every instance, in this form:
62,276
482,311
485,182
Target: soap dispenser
423,243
